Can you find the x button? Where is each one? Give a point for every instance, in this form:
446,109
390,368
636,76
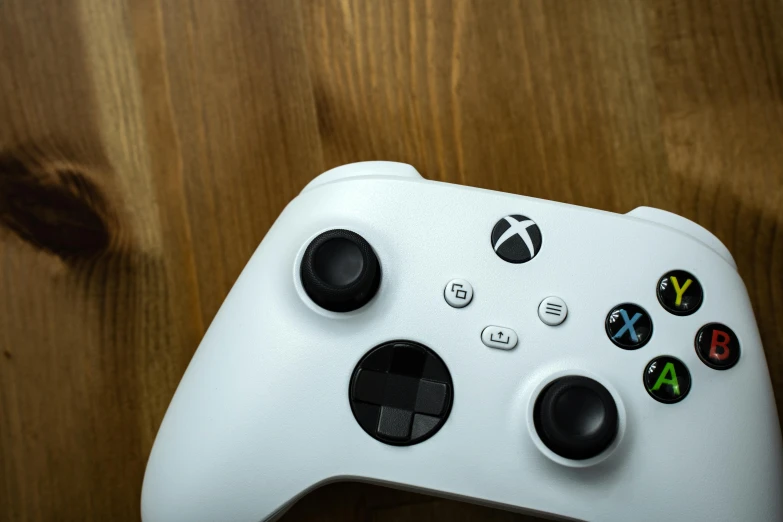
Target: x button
629,326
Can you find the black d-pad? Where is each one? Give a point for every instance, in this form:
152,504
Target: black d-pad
401,393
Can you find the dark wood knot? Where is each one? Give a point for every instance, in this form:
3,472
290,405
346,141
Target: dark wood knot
53,205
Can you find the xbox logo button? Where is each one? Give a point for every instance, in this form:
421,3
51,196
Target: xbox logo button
516,239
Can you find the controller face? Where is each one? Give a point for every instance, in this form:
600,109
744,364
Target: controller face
531,355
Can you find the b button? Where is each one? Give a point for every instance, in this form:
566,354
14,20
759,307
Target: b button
667,379
679,292
717,346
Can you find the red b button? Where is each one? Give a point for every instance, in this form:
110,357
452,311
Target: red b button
717,346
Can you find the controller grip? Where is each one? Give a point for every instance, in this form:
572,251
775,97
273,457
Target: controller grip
686,226
363,169
224,452
209,465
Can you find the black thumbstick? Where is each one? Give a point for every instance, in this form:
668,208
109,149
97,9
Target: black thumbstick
340,271
576,417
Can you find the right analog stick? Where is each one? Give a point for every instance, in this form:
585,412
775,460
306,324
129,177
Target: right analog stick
340,272
576,417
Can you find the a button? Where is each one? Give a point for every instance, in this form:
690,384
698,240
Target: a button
499,337
629,326
667,379
339,271
516,239
401,393
552,311
458,293
679,292
576,417
718,346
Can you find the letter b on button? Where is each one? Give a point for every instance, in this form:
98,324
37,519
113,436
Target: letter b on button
717,346
719,340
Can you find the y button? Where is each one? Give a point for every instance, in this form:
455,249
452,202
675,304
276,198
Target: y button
679,292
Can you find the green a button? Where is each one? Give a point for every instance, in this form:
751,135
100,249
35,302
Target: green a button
667,379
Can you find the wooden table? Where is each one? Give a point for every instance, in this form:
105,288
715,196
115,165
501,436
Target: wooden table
146,147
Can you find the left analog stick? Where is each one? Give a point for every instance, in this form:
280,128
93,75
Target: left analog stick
340,271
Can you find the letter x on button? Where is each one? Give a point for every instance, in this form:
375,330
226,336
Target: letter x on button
629,326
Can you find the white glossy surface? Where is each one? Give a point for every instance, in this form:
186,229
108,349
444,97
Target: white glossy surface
364,169
262,414
685,226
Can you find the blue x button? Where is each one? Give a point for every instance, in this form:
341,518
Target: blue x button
629,326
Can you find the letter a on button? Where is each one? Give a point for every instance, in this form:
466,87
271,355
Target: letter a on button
667,379
663,379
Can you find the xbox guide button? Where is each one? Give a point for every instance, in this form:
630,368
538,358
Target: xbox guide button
516,239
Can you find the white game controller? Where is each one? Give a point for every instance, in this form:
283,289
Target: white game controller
516,352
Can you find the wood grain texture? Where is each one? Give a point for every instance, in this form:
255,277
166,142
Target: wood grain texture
147,145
